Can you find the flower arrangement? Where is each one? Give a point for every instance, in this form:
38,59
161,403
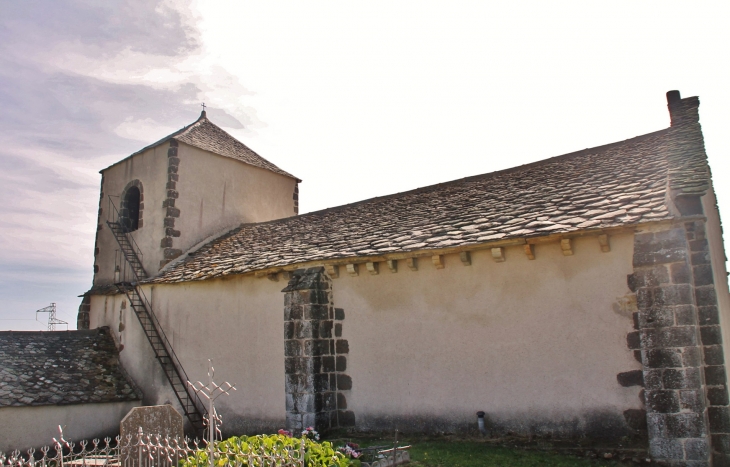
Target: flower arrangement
310,433
350,450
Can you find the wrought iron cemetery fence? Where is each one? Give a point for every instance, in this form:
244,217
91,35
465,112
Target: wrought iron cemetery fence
151,450
154,450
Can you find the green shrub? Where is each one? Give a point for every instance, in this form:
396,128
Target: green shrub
236,451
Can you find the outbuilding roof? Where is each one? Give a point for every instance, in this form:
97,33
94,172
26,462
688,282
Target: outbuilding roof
619,184
204,134
61,367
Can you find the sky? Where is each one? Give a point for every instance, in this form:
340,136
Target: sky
358,99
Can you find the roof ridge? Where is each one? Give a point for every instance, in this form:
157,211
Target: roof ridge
203,119
465,211
185,135
429,188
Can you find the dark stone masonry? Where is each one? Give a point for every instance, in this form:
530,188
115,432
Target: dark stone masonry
295,197
168,204
315,354
99,224
82,318
681,347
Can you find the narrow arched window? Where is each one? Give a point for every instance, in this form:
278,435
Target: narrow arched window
131,208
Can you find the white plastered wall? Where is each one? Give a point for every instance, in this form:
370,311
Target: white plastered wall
532,343
35,426
536,344
238,322
150,168
217,193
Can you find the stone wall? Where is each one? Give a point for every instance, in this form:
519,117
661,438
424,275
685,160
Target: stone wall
714,373
681,348
168,204
82,318
315,355
295,197
99,226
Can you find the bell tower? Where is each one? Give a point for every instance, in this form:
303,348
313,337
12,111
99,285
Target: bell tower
171,195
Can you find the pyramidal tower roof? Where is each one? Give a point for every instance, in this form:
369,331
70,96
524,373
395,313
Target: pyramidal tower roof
206,135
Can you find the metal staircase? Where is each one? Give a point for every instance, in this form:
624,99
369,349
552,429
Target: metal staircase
173,369
125,244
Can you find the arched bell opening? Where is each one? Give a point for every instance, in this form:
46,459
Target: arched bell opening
130,214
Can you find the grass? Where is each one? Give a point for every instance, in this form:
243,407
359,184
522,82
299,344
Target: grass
474,453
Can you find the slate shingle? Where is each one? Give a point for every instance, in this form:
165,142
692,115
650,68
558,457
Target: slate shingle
618,184
61,367
204,134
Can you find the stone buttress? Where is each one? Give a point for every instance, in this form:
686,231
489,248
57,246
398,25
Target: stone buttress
678,320
315,355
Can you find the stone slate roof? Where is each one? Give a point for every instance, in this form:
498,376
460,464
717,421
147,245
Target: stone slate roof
203,134
615,185
61,367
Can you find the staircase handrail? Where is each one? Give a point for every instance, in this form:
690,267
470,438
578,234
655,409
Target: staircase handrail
176,364
115,218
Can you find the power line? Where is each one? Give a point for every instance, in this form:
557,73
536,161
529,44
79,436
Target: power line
52,320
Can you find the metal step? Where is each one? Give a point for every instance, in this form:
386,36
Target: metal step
171,366
179,386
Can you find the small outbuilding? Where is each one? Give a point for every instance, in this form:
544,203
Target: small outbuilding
71,379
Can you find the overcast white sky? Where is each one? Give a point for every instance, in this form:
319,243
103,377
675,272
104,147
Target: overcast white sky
359,99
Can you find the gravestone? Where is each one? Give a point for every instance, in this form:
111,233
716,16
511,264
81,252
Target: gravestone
156,421
161,420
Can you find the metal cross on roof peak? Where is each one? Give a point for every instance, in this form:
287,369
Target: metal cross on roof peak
203,106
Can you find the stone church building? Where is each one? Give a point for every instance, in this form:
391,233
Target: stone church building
579,296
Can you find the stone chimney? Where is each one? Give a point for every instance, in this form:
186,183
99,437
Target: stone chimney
682,111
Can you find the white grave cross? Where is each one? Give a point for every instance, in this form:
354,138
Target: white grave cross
212,392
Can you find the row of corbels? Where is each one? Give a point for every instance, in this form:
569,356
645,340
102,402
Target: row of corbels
372,267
